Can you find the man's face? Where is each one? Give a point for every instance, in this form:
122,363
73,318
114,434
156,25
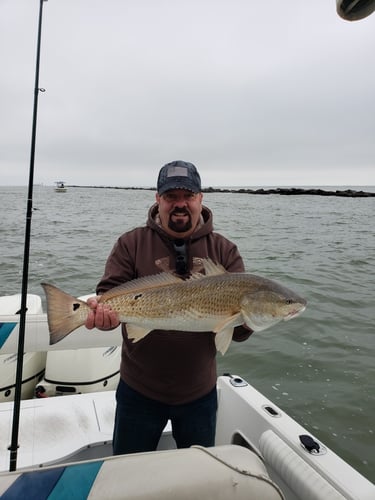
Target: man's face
179,211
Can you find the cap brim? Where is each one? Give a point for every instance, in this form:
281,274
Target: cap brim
178,184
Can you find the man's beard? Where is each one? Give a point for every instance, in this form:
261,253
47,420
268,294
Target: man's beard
179,226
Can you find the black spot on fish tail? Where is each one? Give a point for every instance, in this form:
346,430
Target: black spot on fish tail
76,306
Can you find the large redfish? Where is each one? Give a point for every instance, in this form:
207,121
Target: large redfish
216,301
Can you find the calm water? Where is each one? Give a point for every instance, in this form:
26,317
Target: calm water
319,367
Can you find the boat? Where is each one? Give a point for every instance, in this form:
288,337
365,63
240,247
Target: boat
60,187
65,439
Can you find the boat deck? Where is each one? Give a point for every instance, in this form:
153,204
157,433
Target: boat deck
77,429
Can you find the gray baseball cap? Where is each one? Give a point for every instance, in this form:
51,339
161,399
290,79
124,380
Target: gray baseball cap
179,175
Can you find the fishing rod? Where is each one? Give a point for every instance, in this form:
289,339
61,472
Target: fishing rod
25,273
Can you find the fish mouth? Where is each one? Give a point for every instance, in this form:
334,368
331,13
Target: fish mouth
294,312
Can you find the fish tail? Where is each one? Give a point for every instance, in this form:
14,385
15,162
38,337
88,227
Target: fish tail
65,313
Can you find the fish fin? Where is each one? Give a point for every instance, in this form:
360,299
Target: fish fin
229,322
65,313
210,269
223,339
142,284
213,269
136,332
224,332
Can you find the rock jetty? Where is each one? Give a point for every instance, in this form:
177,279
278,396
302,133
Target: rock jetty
350,193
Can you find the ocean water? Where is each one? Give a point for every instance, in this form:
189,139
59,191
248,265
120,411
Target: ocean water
319,367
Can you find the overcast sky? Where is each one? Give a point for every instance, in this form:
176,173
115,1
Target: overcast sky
254,93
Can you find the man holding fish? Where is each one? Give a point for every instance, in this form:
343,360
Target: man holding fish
180,291
168,374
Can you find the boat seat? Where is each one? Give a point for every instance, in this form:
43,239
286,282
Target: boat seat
220,473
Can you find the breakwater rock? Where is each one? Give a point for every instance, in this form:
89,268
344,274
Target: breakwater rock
349,193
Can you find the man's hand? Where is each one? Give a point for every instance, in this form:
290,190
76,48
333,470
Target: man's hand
241,333
101,316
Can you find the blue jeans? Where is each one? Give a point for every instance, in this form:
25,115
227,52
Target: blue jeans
139,421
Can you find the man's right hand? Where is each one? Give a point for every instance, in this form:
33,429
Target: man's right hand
101,316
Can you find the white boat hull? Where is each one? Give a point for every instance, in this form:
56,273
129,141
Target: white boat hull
248,418
82,426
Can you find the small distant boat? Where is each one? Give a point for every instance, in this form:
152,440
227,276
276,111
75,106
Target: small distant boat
60,187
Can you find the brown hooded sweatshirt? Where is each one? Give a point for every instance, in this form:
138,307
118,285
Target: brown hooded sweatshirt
169,366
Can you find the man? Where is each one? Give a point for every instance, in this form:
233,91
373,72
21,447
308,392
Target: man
168,374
